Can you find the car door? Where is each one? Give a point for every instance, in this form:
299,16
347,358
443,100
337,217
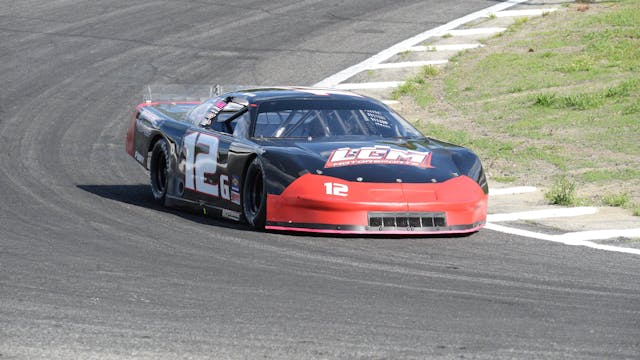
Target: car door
206,172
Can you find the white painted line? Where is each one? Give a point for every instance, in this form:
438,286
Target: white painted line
476,31
520,232
526,12
405,64
602,234
369,85
446,47
390,102
576,238
343,75
543,214
512,190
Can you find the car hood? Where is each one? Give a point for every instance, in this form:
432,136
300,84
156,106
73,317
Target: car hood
384,160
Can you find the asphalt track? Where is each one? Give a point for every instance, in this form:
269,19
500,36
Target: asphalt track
90,268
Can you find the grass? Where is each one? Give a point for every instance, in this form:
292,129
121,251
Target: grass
517,24
553,96
504,179
622,200
617,200
600,176
418,86
589,100
563,192
405,54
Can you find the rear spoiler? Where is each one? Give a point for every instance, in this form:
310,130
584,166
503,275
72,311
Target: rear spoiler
186,92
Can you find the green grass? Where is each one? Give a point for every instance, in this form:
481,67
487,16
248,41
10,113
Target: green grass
622,200
504,179
624,174
405,54
559,93
588,100
494,148
517,24
418,86
563,192
617,200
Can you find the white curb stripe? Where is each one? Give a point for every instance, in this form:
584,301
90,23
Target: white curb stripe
527,12
476,31
543,214
405,64
520,232
446,47
576,238
602,234
512,190
343,75
369,85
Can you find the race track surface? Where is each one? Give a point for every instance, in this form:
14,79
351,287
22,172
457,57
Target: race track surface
90,268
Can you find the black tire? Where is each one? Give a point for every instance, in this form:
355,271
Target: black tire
160,170
254,195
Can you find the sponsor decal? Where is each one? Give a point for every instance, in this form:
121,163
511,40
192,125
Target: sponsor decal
235,183
378,155
235,189
229,214
139,157
235,197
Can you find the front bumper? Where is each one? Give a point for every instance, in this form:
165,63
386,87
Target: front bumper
316,203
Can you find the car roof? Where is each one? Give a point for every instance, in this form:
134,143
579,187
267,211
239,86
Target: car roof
259,95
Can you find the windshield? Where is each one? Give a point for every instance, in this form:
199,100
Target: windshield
305,118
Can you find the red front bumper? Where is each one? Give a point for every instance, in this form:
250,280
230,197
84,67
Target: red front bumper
317,203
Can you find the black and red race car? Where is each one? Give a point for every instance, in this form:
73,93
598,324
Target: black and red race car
306,159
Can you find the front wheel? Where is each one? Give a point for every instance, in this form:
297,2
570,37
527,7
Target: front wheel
160,170
254,195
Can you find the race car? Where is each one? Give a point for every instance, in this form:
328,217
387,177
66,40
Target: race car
307,160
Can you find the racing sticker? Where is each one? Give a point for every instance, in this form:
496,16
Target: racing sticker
378,155
235,189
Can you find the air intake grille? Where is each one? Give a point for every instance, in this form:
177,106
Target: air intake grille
404,221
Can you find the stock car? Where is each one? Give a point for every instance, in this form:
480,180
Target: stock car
307,159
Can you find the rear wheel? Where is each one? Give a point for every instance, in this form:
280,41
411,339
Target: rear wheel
254,195
160,170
